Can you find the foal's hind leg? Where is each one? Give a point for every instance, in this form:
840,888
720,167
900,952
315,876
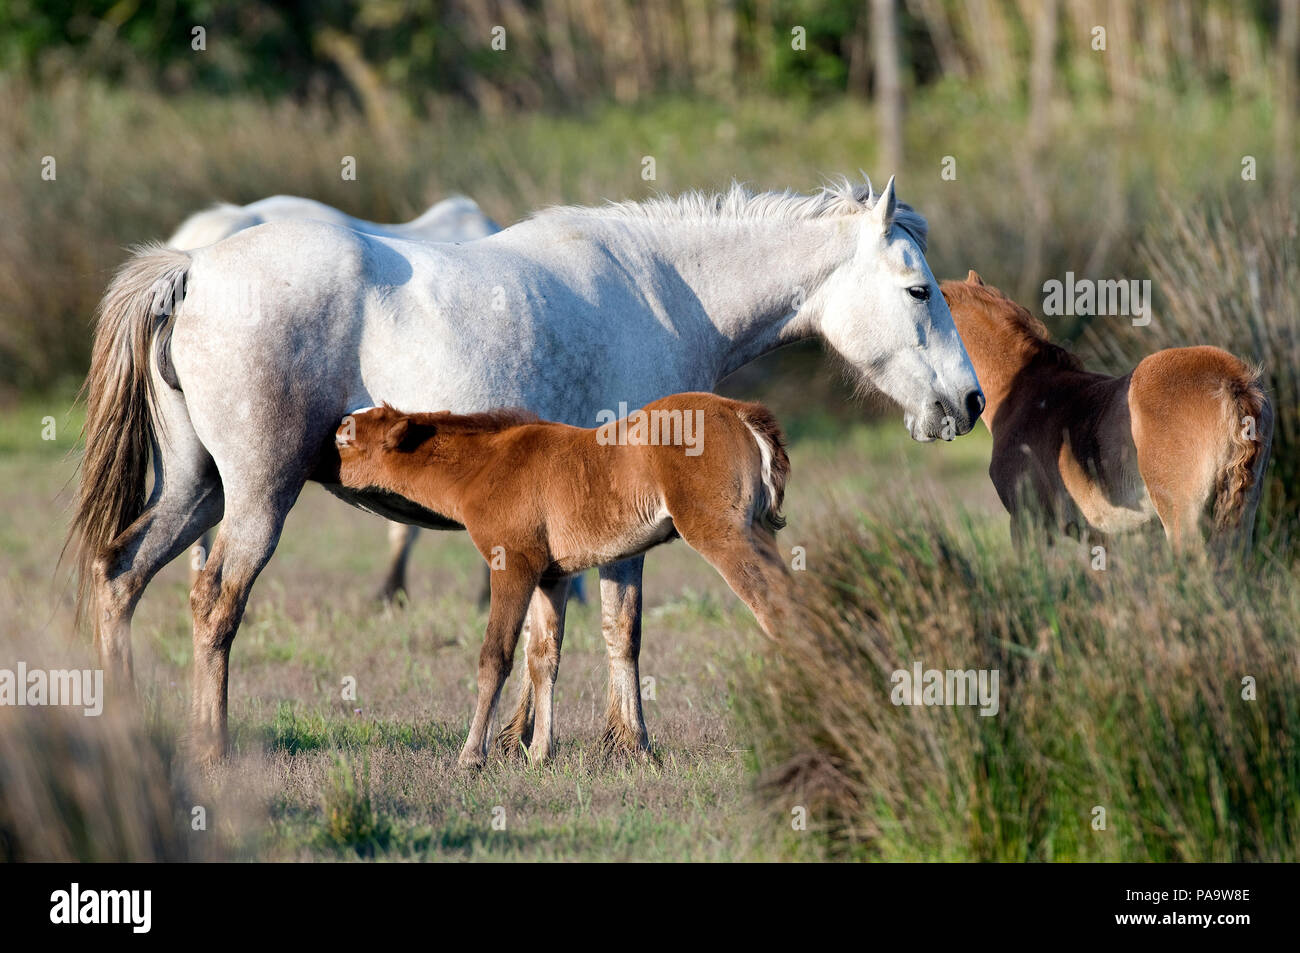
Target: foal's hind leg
547,623
752,566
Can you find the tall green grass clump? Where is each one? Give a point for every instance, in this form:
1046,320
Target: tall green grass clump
350,819
1149,711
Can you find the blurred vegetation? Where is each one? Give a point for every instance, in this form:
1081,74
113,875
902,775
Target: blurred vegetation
1122,689
568,51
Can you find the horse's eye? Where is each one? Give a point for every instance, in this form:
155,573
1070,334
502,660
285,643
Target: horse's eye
920,292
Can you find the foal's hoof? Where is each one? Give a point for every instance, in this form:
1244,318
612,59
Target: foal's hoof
471,763
620,741
539,755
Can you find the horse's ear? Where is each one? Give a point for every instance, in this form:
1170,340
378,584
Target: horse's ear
882,213
973,278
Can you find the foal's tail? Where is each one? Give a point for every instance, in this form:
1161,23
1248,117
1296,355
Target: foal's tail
134,320
1250,436
776,463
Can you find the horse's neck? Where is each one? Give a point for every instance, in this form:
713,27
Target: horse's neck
755,282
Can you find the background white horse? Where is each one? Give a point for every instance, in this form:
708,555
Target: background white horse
235,362
454,219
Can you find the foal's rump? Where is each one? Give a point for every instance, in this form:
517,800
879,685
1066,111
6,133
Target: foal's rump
1202,421
728,431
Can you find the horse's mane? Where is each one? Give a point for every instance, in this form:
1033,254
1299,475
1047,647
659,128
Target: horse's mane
738,203
1026,326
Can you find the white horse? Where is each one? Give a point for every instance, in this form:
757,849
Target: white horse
236,362
454,219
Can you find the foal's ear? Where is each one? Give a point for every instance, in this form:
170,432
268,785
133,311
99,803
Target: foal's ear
406,436
973,278
396,434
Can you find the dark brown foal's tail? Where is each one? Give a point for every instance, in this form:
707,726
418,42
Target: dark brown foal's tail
776,462
1250,436
119,394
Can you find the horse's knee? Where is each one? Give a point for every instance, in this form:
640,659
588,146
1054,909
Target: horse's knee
494,662
216,609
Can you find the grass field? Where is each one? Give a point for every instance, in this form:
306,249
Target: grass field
295,785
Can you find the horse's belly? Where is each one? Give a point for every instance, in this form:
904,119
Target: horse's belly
1117,517
577,554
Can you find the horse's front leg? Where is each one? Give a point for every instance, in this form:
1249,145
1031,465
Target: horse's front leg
620,623
401,538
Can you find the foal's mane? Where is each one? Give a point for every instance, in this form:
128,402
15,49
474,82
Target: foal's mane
1029,329
488,421
738,203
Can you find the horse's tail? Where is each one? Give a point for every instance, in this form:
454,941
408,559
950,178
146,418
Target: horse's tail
1250,436
776,462
119,394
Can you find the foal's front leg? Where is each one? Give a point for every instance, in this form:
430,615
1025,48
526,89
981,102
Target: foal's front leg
512,587
620,623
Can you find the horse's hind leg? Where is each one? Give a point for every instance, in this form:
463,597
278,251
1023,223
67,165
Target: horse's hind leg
401,537
186,500
244,544
161,533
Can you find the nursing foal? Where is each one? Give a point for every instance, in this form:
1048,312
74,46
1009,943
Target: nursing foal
1081,451
543,500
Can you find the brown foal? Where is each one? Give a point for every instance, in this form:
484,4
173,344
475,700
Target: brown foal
542,501
1086,452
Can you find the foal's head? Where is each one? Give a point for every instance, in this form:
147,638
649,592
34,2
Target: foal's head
997,329
377,446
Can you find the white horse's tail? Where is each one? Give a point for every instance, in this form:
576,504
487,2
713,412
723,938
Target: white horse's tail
134,320
776,462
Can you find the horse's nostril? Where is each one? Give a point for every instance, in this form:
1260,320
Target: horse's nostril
974,404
